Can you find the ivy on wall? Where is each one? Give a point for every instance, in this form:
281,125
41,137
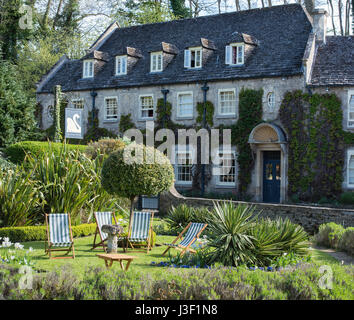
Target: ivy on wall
316,144
209,115
125,123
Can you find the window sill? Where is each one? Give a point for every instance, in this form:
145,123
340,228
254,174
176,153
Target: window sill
146,119
225,186
226,116
110,120
183,184
184,118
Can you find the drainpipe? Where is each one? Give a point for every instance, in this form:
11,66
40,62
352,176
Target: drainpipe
93,95
164,92
205,89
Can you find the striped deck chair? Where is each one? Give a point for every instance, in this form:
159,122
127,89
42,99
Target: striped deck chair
140,229
59,234
193,232
102,218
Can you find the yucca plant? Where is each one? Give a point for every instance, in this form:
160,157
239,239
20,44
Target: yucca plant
20,199
178,217
230,237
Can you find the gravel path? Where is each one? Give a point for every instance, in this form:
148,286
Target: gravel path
340,256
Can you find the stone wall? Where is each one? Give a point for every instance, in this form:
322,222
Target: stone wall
308,217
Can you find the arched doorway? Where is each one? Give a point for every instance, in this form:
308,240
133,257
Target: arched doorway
268,142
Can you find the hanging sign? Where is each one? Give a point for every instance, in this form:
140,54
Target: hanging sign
73,123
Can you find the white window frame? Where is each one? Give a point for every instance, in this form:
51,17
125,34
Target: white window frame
350,153
219,102
105,109
182,150
271,104
86,72
190,116
188,58
73,101
229,55
219,183
141,109
121,71
350,93
156,55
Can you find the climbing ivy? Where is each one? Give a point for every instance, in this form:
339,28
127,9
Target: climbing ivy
316,144
125,123
209,116
250,115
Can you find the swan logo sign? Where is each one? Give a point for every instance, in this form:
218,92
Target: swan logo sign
73,123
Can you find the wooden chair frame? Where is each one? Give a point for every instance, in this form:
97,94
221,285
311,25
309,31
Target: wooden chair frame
98,231
48,245
187,248
129,243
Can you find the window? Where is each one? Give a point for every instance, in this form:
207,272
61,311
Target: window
147,107
270,101
121,65
156,62
227,169
88,69
350,168
184,167
193,58
234,54
185,104
111,109
351,109
77,103
227,102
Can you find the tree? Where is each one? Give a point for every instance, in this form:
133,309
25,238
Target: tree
17,108
179,9
146,172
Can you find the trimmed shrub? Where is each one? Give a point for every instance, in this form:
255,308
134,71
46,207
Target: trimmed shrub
17,152
104,146
347,198
329,234
38,233
346,242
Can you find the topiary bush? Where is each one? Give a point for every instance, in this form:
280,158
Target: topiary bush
329,234
104,146
136,170
346,242
17,152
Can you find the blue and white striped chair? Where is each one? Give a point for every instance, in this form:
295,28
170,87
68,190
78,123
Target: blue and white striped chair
193,232
102,218
140,229
59,234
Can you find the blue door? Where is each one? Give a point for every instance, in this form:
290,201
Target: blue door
271,176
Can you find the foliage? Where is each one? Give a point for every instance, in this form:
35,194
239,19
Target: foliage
336,236
346,242
17,108
38,233
70,182
14,253
291,259
347,198
179,217
20,198
104,146
136,170
316,147
179,9
209,115
4,164
230,238
125,123
58,109
301,283
18,151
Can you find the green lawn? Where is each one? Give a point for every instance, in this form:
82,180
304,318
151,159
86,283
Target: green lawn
85,257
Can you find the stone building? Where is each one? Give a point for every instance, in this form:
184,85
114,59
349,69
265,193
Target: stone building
277,49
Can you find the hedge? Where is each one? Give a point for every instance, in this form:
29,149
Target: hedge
17,152
38,233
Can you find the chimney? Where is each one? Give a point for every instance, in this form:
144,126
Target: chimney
319,17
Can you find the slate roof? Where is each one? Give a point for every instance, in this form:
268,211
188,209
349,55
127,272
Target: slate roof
334,64
281,33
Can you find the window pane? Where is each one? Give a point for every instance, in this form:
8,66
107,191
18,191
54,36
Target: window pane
240,54
147,107
227,169
184,167
227,102
78,104
185,105
111,109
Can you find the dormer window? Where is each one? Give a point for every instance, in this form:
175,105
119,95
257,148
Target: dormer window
235,54
193,58
88,69
156,64
121,65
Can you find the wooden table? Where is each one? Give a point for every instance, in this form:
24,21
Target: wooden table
110,257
